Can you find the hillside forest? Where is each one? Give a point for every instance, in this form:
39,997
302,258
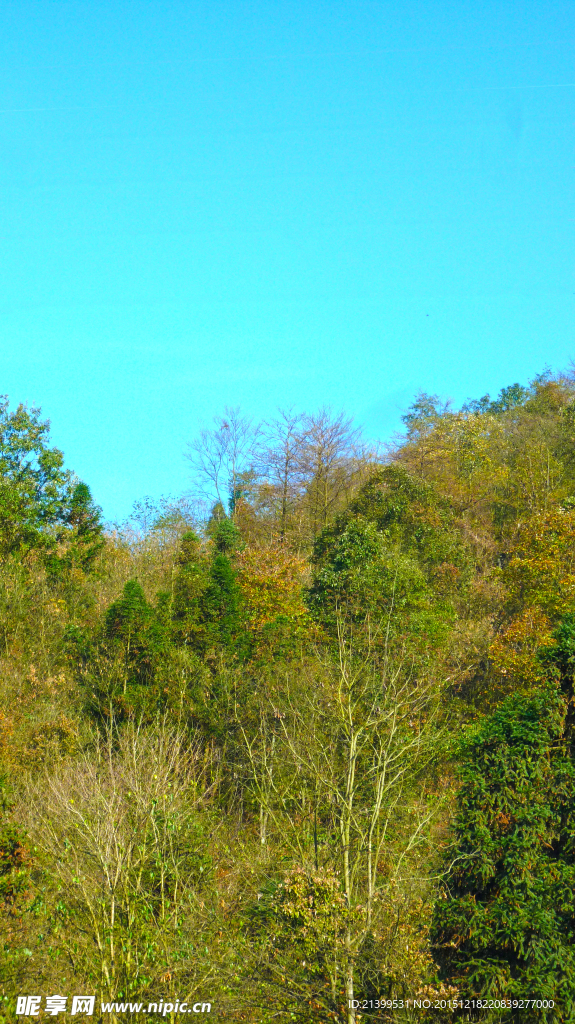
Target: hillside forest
300,744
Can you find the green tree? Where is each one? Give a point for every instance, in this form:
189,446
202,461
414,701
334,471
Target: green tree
505,925
408,513
395,554
132,625
190,582
35,489
85,518
220,600
121,669
82,536
220,603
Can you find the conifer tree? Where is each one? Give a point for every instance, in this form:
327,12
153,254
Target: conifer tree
133,627
82,535
190,583
505,925
133,645
220,603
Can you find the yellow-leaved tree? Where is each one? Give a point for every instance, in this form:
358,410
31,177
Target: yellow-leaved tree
540,583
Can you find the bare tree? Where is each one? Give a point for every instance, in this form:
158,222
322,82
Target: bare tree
167,517
358,744
281,463
221,455
119,831
295,472
331,457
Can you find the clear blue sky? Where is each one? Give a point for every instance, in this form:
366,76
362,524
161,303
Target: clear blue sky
265,204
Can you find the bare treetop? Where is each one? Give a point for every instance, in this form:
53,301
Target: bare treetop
222,453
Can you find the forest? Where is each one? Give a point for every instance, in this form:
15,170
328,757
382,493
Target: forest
299,745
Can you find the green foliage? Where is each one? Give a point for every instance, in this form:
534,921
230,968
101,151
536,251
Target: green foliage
408,513
220,603
226,536
217,516
505,925
561,655
365,575
310,688
14,876
82,537
133,628
120,668
35,489
394,555
309,913
190,582
204,609
301,926
509,398
422,414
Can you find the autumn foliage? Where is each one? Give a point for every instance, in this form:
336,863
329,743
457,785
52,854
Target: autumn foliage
303,737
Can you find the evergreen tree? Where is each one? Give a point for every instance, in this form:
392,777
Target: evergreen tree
121,670
133,628
85,518
220,603
190,583
505,925
35,489
206,595
226,536
83,535
221,599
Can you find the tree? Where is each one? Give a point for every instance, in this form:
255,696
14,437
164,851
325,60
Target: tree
82,536
509,398
421,421
281,463
120,669
122,838
220,603
133,627
331,459
35,489
498,458
539,581
166,518
504,925
394,553
358,744
271,583
190,581
222,454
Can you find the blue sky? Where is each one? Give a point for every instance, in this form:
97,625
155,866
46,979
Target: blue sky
272,204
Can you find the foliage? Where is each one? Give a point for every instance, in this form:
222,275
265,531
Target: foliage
504,925
294,695
14,880
35,489
121,670
540,590
301,923
220,603
271,583
395,556
133,629
183,605
124,843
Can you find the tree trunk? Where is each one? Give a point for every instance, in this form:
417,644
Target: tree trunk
349,986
